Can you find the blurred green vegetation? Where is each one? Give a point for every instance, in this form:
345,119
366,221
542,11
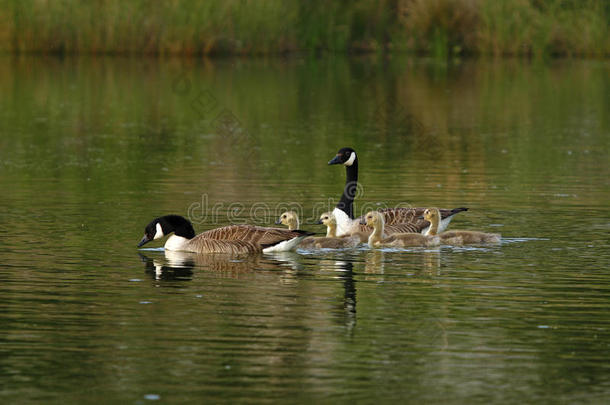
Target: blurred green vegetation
436,27
121,129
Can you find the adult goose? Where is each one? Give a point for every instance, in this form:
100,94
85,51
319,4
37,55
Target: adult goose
455,237
330,241
411,218
234,239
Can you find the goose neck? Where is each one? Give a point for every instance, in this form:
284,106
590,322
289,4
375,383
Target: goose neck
344,224
346,204
433,228
331,230
175,242
377,233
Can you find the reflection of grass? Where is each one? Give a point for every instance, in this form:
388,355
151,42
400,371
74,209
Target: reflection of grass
111,126
437,27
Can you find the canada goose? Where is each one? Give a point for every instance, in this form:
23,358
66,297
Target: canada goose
377,220
456,237
330,241
344,212
234,239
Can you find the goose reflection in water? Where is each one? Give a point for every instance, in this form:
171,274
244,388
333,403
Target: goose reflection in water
349,294
163,269
176,265
343,271
419,261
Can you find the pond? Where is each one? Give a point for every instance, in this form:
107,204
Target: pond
92,149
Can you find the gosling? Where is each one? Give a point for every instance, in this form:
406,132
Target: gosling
331,241
376,220
456,237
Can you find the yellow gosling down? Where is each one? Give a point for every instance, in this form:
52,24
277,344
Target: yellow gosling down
362,232
456,237
330,241
290,219
376,220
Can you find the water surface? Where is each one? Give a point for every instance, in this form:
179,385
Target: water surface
92,149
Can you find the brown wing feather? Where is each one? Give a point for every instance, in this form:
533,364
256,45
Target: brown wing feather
412,216
257,235
206,245
401,228
362,228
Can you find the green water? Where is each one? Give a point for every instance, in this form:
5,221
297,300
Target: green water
91,150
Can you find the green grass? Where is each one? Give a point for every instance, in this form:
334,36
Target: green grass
435,27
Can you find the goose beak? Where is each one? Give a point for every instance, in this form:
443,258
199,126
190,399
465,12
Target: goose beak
420,217
279,221
319,222
144,241
335,161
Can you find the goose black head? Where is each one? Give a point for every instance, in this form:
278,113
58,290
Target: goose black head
162,226
345,156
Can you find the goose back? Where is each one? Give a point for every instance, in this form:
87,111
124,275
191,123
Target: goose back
379,238
206,245
401,228
330,242
364,231
457,237
259,236
413,216
409,240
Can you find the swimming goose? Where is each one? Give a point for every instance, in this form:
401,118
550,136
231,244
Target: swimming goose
290,219
234,239
328,219
363,231
344,212
456,237
330,241
377,220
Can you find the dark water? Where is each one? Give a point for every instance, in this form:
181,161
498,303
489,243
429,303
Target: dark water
92,149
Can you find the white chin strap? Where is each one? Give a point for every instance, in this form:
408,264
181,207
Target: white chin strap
351,159
159,233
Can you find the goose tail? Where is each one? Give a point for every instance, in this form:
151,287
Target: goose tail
287,245
456,210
